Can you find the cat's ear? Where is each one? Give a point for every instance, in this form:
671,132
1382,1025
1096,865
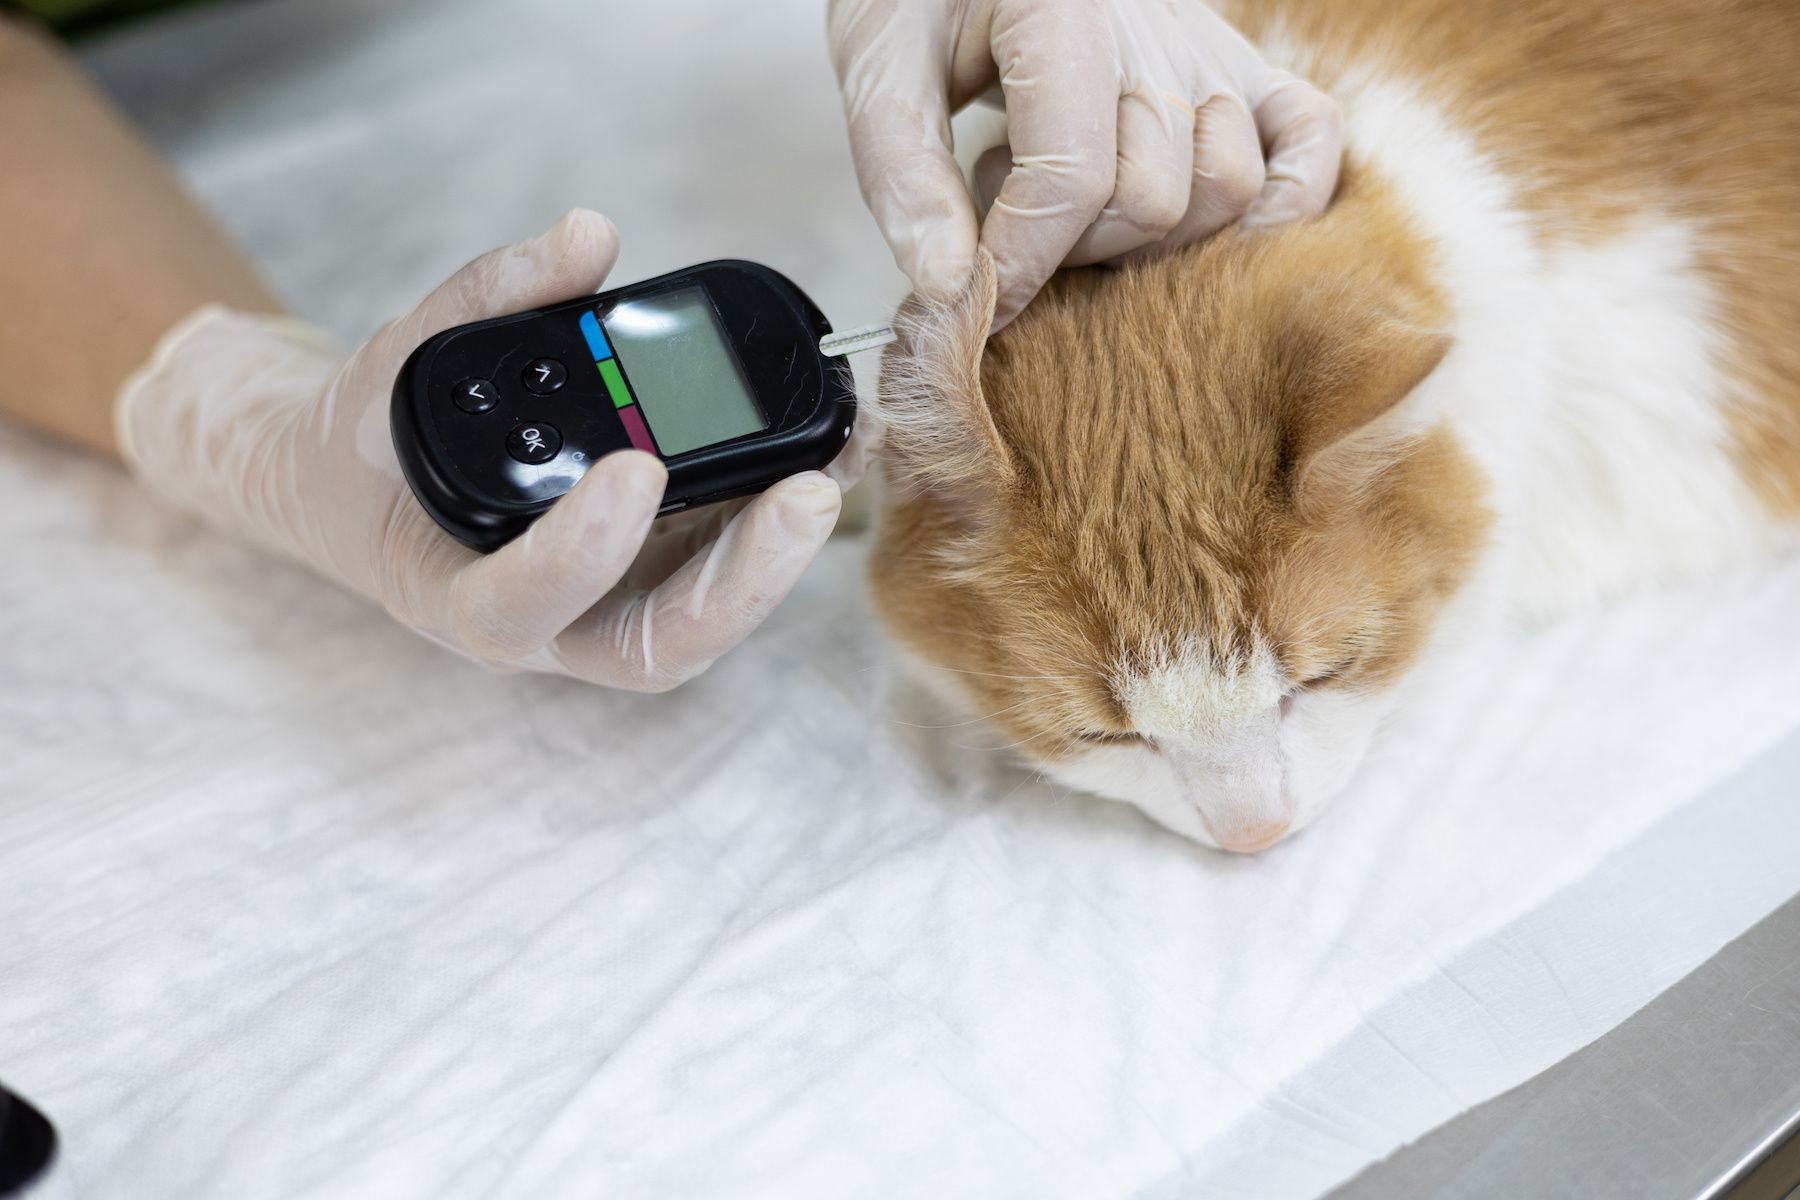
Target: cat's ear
939,436
1349,388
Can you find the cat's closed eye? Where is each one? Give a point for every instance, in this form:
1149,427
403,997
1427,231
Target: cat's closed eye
1100,737
1331,672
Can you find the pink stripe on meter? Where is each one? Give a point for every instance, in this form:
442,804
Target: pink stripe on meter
636,430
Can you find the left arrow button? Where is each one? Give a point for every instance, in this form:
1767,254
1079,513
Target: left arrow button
476,395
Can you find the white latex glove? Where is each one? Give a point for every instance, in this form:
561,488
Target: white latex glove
257,425
1132,123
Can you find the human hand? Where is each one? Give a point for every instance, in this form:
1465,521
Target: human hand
1134,124
259,426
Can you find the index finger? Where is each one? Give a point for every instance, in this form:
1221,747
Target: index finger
1303,135
896,106
505,606
1059,70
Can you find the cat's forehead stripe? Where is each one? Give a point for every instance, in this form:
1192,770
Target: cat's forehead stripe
1194,689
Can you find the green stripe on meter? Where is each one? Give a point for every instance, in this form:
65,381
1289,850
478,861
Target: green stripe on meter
615,382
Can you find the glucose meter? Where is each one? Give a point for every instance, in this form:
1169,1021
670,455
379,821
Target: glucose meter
716,369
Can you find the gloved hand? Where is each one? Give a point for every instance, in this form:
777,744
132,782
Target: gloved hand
258,425
1132,123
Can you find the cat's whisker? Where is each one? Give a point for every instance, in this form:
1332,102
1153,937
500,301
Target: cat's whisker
998,675
965,724
1064,742
1035,776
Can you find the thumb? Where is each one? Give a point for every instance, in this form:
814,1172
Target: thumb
651,641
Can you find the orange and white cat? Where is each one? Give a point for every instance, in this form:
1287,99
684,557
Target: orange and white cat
1183,530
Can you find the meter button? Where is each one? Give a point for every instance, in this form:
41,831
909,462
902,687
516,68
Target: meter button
544,376
476,395
534,443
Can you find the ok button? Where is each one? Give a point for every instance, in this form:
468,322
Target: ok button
534,443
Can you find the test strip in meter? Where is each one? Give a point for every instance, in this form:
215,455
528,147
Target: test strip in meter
607,363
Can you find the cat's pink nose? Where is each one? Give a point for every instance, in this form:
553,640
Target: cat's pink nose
1253,836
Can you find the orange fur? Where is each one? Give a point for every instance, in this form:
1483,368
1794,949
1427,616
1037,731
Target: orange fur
1156,484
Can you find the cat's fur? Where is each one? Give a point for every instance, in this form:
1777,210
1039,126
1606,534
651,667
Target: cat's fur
1183,529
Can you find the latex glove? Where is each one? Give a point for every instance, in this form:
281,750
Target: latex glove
1132,123
259,426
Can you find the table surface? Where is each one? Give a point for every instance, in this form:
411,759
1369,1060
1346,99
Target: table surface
1681,1102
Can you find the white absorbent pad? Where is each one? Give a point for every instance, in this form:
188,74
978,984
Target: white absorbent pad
293,904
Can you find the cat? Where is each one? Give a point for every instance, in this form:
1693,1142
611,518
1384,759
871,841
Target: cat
1184,529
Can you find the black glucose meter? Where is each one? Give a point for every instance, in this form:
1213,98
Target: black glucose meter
715,369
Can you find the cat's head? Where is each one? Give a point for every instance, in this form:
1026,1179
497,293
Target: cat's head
1178,531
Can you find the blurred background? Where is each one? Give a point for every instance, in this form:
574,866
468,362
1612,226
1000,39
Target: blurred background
361,150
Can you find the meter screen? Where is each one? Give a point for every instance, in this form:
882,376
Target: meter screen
670,372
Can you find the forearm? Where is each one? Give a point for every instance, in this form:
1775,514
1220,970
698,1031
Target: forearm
103,251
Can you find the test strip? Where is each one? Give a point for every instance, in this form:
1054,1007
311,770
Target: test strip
855,341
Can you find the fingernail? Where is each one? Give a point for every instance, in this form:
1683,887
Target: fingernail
937,274
813,497
546,249
1261,220
1275,206
634,472
938,279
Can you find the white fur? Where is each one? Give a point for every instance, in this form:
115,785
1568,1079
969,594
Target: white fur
1138,777
1215,719
1241,757
1586,377
1197,689
1624,477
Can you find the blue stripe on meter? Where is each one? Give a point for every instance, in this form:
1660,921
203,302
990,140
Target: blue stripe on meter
596,340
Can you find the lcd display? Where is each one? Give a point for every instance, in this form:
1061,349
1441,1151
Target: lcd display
682,371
